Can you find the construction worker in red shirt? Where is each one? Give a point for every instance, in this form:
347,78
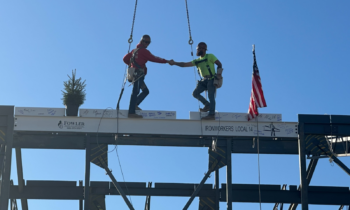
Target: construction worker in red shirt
205,65
138,61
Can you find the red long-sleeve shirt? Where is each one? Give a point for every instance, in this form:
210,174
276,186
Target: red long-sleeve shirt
141,58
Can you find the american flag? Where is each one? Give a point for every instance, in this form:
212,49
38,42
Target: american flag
257,98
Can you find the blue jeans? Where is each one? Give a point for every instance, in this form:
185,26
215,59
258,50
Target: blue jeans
137,98
206,84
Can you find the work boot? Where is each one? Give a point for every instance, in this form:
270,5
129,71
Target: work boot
137,108
134,116
205,108
209,117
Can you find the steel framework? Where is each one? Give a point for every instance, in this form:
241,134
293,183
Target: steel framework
312,130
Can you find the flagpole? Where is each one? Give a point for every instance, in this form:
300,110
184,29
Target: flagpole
257,128
257,99
254,58
257,135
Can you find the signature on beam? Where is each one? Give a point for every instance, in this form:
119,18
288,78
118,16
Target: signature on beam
51,112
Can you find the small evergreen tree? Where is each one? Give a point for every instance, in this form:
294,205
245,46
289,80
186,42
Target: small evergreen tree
74,90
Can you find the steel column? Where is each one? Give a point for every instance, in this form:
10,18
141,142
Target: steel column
13,202
87,174
284,187
229,174
6,113
341,165
148,198
310,171
195,193
2,159
81,200
115,183
24,202
342,207
302,168
217,190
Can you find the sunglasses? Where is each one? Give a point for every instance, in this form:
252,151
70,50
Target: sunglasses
147,42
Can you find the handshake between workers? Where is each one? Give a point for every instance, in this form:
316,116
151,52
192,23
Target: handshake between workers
211,80
171,62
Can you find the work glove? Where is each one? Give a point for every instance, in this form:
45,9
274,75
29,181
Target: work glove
219,71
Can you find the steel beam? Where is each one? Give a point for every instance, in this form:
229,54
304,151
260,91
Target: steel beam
302,168
46,192
241,193
47,140
274,194
87,174
229,174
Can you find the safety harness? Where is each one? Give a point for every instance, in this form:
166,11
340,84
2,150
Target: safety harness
133,73
207,64
132,59
218,79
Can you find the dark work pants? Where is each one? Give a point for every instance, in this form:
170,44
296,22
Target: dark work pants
137,98
203,85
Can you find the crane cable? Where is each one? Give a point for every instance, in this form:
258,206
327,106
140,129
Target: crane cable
190,42
130,40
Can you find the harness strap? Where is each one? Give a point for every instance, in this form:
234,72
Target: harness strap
132,59
211,74
204,60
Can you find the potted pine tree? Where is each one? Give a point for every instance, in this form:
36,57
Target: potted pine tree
73,94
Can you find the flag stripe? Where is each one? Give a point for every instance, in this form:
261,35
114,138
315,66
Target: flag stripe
259,95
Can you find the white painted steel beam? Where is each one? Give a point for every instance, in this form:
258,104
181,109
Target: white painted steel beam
155,126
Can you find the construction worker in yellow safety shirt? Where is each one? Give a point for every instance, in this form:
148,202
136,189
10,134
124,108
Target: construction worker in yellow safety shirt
205,65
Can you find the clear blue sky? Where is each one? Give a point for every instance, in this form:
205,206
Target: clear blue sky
302,50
